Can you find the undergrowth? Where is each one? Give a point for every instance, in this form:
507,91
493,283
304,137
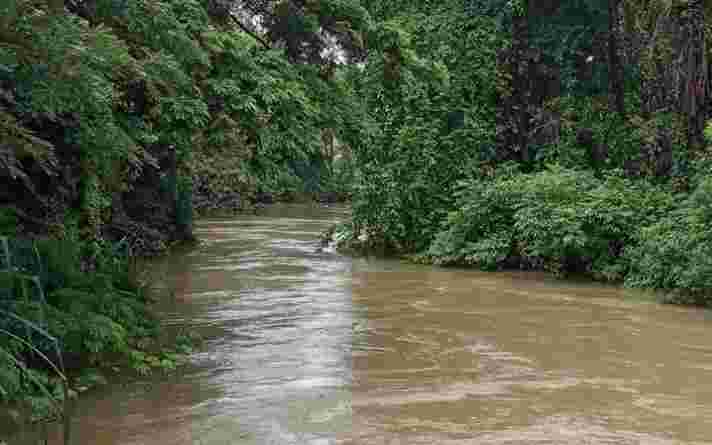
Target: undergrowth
73,312
570,221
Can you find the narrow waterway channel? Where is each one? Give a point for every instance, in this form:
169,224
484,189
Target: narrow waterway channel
311,347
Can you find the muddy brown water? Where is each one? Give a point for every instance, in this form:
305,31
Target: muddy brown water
310,347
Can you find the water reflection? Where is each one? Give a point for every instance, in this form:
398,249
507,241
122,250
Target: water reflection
277,366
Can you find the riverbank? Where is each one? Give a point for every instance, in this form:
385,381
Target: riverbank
389,351
610,228
96,302
74,315
209,202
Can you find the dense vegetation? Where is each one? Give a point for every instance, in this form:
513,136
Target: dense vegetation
120,119
542,134
64,326
564,136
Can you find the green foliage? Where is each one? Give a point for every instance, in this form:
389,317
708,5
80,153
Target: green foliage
8,222
561,220
105,90
273,115
95,317
428,180
20,337
122,83
573,28
672,254
407,156
341,177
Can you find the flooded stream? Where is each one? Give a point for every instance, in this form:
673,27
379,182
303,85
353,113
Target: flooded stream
310,347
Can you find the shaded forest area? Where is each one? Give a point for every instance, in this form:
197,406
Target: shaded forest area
567,136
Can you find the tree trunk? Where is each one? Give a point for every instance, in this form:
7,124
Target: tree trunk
694,74
520,83
615,69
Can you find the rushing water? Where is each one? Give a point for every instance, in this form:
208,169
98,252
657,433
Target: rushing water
310,347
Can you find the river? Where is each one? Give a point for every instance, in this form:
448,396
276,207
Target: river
310,347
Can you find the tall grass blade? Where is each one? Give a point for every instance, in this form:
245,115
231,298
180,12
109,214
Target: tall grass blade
39,330
6,252
32,377
36,351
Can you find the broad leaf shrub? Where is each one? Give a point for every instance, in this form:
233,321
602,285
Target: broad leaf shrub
561,220
674,254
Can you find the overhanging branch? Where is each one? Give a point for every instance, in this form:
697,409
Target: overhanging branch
251,33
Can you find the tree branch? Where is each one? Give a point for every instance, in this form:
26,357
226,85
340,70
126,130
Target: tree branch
251,33
26,217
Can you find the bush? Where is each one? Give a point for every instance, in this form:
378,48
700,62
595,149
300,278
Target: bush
95,311
560,220
673,254
65,303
